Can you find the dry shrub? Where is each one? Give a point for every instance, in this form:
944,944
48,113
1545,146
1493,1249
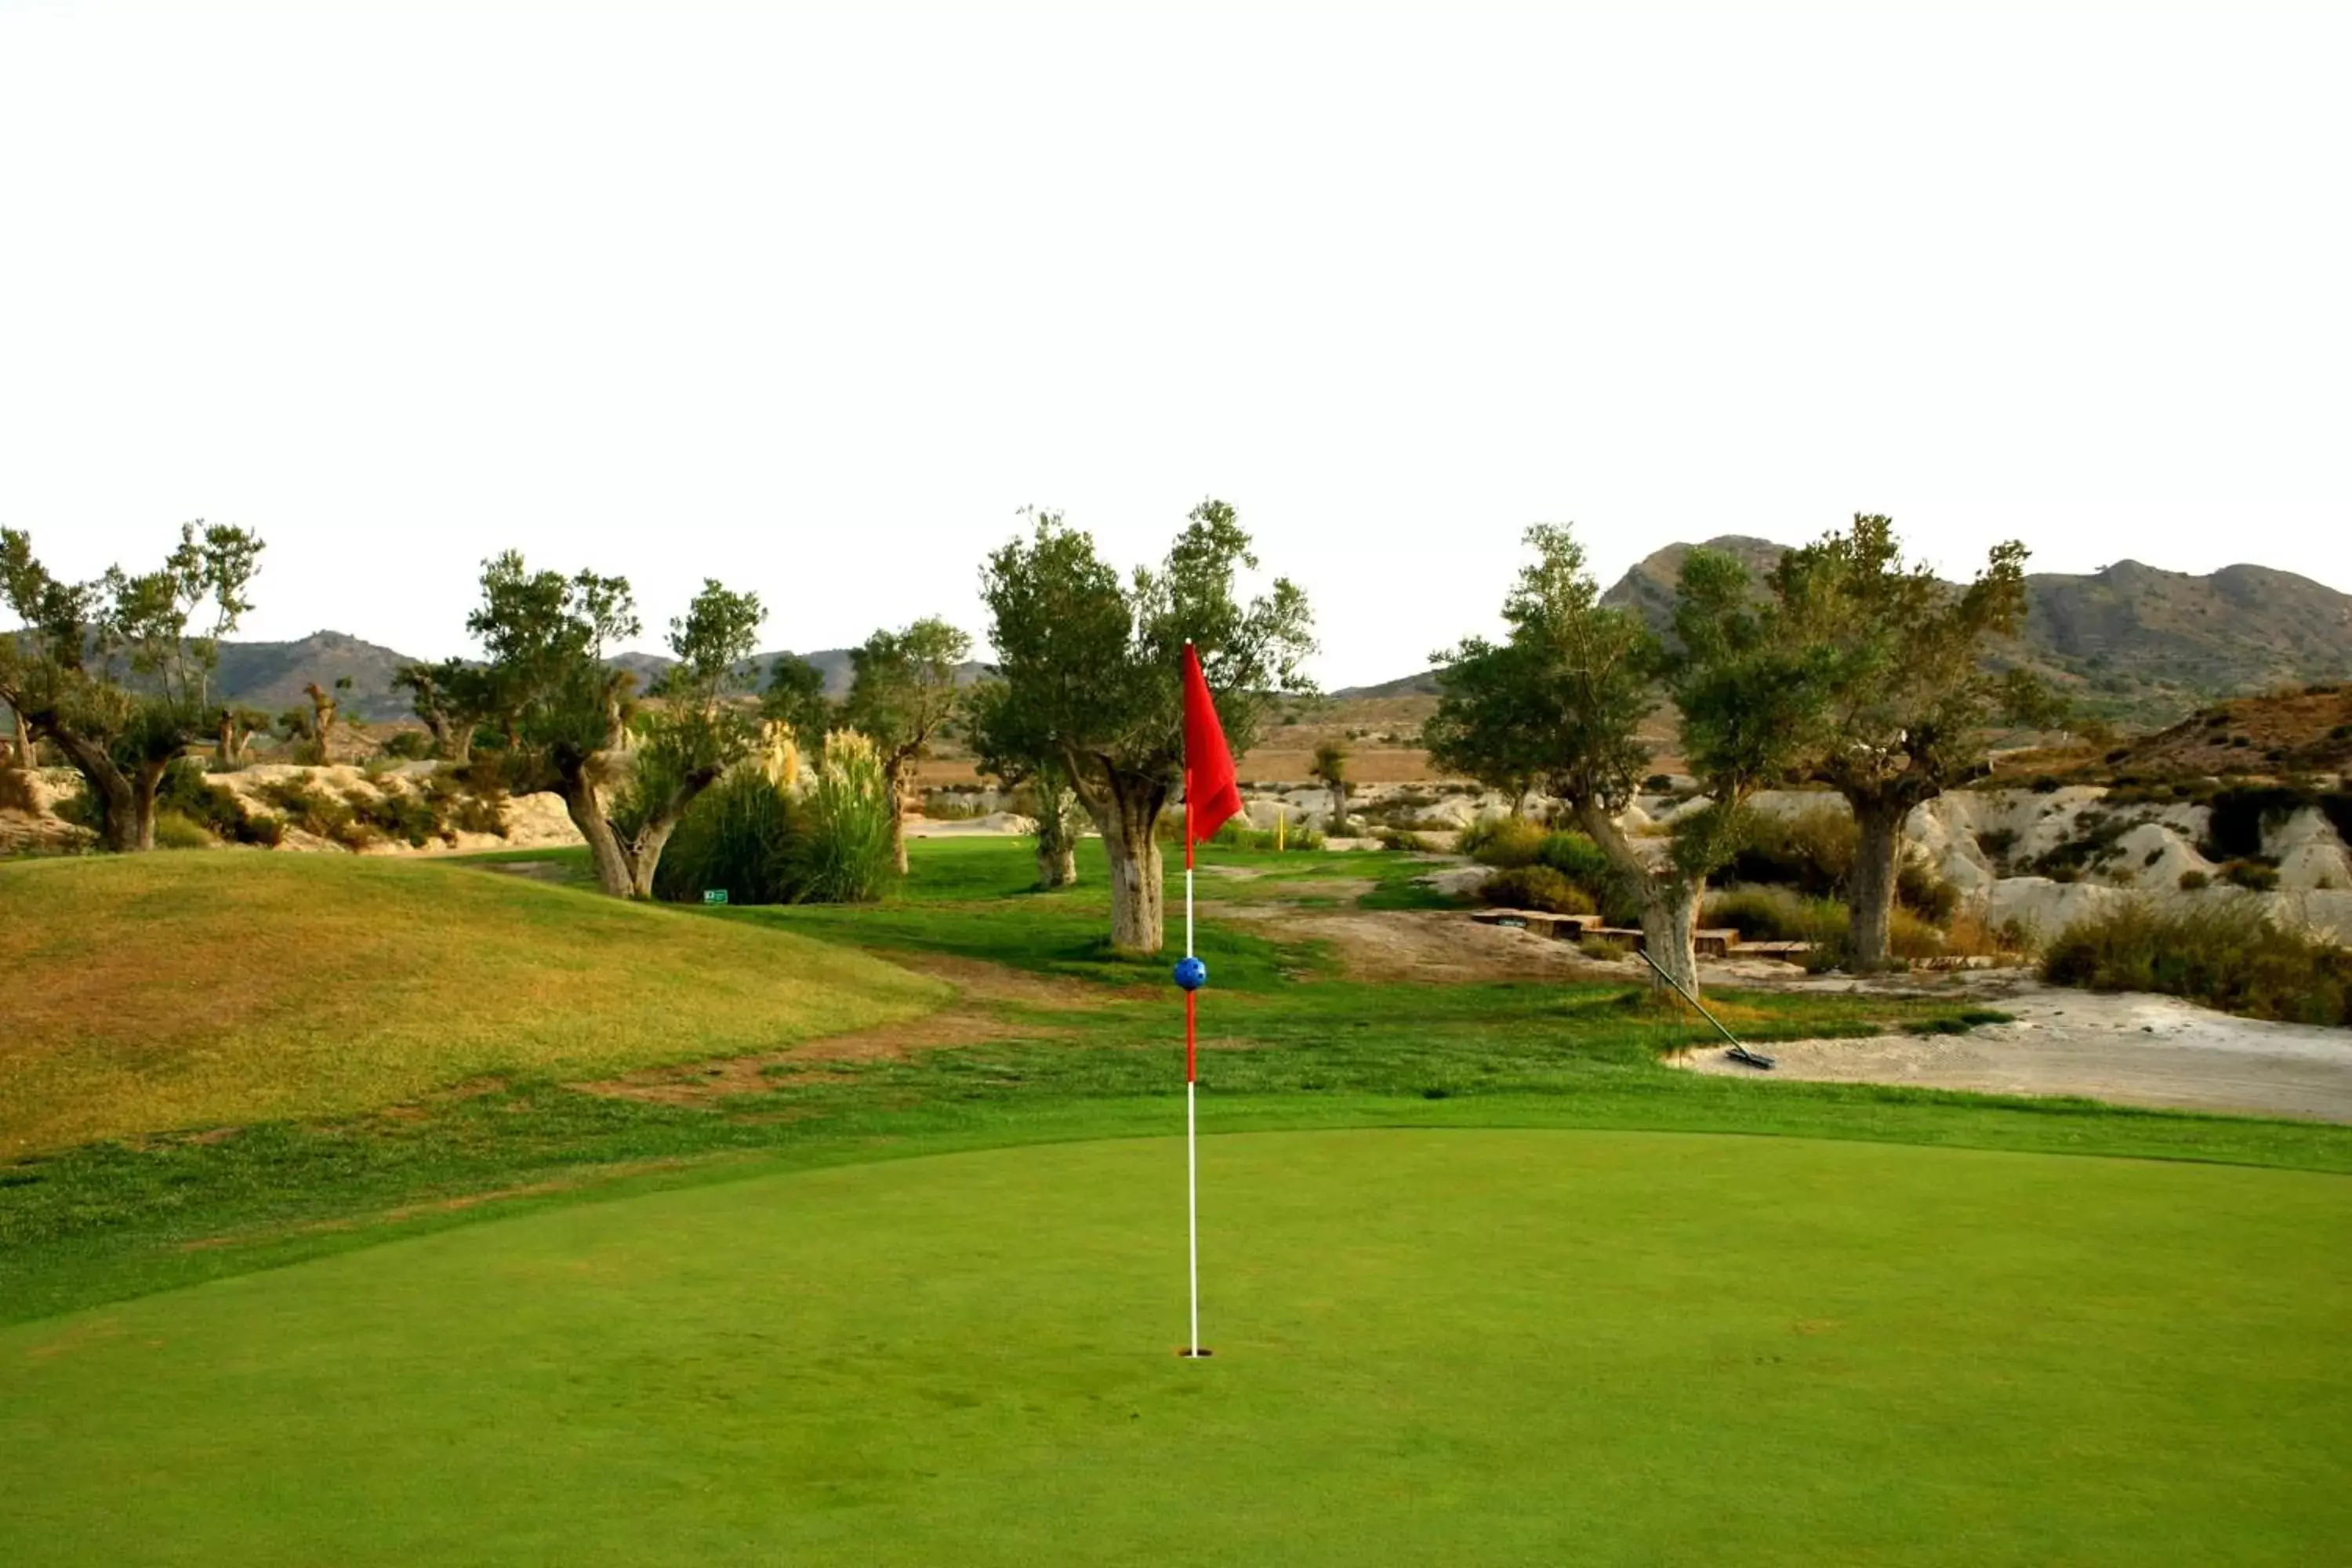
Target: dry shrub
2229,953
1537,887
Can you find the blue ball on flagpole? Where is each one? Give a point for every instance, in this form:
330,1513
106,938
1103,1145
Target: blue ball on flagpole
1192,974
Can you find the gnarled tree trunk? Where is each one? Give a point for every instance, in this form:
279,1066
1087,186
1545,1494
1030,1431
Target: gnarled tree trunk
898,783
1670,907
615,874
1670,897
26,753
1057,838
1870,890
126,801
1126,808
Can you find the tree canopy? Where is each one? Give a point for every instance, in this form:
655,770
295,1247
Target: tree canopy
116,673
1089,674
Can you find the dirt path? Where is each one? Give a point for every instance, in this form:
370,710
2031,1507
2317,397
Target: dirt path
2132,1049
1418,944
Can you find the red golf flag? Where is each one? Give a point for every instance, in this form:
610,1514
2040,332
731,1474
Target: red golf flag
1211,796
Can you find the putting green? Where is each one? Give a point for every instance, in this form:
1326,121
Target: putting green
1436,1346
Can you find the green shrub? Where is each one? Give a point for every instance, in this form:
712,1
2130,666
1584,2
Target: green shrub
1238,834
739,836
1536,888
1812,852
1778,914
186,791
2254,876
465,807
1603,949
2228,953
2194,881
1505,842
174,831
315,811
408,745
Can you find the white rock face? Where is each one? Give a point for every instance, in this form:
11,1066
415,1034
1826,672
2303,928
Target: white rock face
2311,857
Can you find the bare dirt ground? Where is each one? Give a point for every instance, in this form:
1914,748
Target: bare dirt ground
2130,1048
1422,944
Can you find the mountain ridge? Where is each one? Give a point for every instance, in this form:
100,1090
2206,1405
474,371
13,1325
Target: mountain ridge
2129,642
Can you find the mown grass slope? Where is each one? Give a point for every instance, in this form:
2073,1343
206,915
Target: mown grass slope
163,992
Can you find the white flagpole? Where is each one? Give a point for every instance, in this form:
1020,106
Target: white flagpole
1191,1132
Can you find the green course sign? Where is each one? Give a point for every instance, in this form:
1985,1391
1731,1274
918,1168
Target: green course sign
714,895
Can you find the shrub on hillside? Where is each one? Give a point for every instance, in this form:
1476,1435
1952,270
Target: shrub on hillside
2195,882
174,831
206,805
1812,851
2229,954
1536,888
1503,842
1778,914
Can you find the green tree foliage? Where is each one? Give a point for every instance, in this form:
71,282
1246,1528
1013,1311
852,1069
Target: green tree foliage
452,698
795,699
1485,727
114,674
1089,676
573,720
1907,687
1561,701
903,695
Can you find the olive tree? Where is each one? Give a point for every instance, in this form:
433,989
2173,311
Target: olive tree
113,673
1564,696
1331,769
1911,688
571,718
903,694
452,698
1089,665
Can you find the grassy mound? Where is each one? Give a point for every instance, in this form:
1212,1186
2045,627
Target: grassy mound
164,992
1431,1346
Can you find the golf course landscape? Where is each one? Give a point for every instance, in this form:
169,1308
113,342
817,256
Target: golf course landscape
365,1211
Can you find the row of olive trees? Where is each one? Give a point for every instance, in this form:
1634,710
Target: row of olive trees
1845,667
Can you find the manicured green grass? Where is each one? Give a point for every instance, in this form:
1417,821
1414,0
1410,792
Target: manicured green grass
1463,1346
1288,1046
161,992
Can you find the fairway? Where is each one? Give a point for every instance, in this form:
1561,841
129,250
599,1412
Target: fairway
1431,1346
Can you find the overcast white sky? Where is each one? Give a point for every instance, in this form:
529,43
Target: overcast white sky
812,303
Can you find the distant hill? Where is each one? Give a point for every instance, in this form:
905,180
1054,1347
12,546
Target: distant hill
270,676
2132,642
1421,685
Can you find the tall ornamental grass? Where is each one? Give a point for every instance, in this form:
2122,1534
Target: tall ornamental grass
844,857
